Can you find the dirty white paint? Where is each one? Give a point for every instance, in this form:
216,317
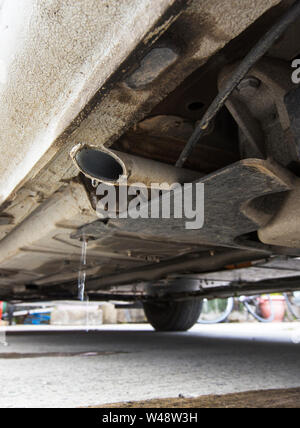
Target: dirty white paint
54,55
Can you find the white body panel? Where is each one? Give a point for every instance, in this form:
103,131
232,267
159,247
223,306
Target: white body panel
54,56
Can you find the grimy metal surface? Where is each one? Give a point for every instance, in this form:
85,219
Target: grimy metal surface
87,57
228,211
257,52
54,57
63,80
228,214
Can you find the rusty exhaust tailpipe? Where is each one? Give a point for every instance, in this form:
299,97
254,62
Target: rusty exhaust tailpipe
113,167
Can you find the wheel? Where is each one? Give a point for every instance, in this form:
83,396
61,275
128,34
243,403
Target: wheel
173,315
216,311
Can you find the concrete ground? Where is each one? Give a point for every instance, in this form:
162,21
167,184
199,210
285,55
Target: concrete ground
122,363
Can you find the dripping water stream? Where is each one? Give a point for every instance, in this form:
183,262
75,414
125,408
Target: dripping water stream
82,296
82,270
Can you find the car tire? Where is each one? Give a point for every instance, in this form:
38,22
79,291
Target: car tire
173,315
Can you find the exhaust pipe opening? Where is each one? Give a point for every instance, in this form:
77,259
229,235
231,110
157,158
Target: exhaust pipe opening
98,165
112,167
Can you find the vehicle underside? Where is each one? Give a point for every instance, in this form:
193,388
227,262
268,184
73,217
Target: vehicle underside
127,84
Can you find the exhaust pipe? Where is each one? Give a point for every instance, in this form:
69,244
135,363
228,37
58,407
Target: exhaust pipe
113,167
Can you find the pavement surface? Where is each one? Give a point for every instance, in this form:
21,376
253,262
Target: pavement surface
125,363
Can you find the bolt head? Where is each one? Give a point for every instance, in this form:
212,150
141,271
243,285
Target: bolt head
249,83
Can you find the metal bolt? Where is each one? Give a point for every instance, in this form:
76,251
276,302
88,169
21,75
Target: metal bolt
249,82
